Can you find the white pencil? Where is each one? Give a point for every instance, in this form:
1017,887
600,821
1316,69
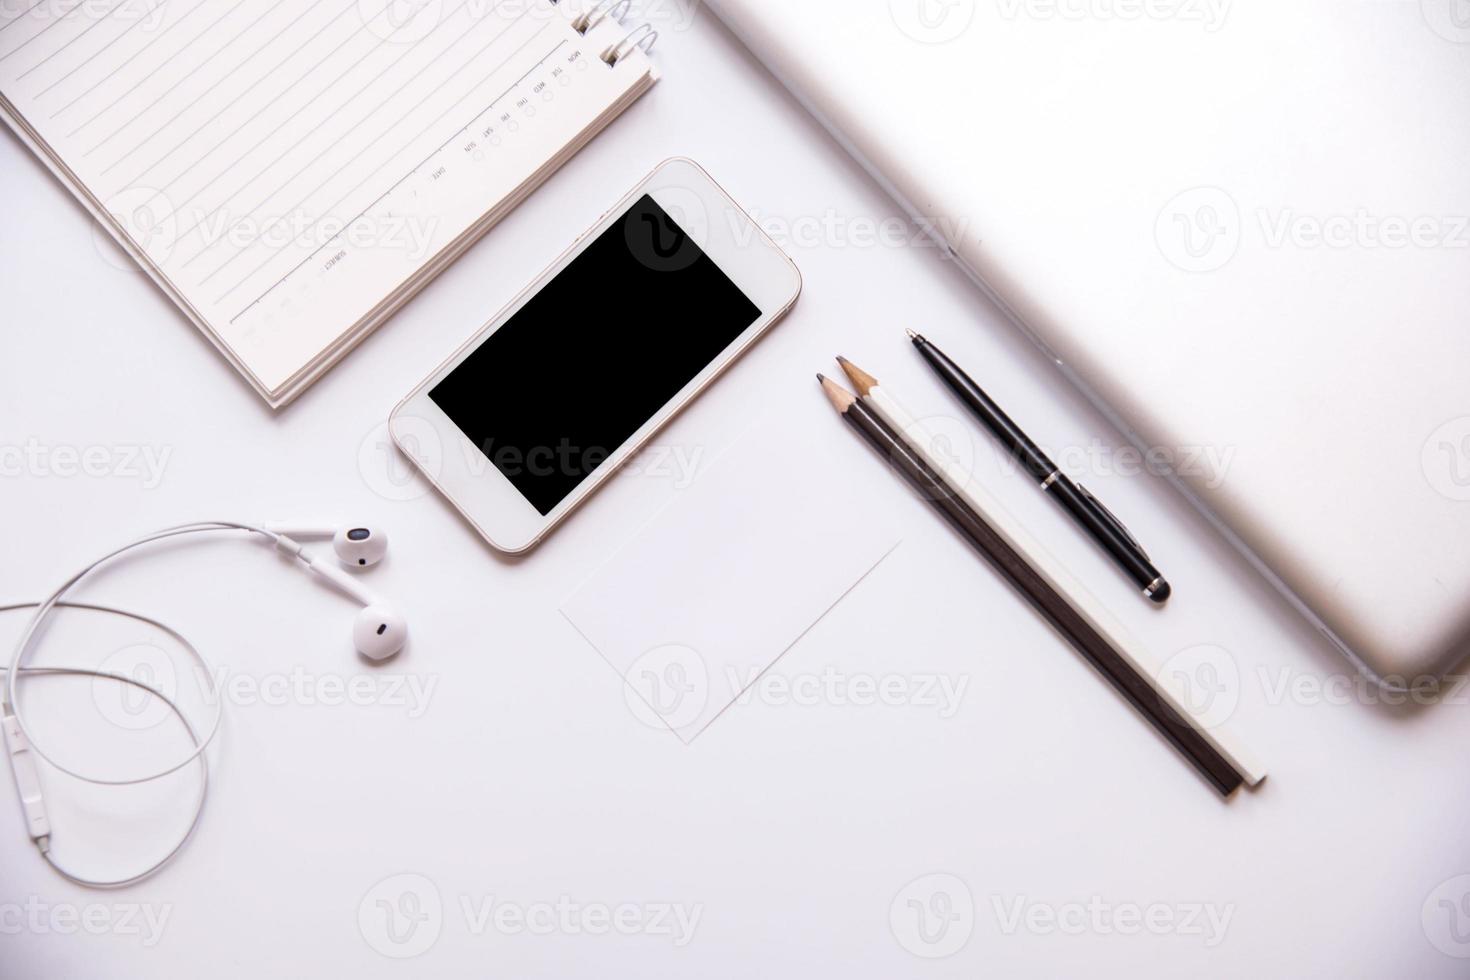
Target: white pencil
922,441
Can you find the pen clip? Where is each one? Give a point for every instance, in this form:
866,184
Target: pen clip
1112,519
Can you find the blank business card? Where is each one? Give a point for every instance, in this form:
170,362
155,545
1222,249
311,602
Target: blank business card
731,574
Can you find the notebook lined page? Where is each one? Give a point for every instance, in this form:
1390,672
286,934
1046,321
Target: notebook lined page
287,164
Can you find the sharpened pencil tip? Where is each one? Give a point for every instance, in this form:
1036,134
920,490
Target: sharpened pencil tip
842,360
840,397
821,378
861,380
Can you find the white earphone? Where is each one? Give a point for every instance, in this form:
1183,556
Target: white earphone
378,632
355,546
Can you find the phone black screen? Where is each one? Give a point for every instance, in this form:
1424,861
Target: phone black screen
597,352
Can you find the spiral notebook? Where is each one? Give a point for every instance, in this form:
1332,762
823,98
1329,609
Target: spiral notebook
290,172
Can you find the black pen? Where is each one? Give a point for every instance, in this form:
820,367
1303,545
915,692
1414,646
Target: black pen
1083,507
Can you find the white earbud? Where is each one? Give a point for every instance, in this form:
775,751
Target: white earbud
356,546
360,546
380,630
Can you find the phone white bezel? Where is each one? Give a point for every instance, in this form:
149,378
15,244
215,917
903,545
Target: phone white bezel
453,464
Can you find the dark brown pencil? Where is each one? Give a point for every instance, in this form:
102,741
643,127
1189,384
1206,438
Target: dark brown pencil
1052,606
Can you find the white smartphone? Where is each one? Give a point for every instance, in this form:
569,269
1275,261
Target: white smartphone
521,424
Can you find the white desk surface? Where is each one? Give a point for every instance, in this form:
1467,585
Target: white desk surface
1069,839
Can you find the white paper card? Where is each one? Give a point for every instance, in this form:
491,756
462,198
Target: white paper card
730,575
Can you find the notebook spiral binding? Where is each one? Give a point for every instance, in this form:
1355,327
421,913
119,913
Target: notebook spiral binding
643,36
603,9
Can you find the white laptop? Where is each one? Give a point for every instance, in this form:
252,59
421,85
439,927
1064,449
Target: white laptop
1238,225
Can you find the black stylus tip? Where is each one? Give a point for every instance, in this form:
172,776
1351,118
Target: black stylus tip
1161,594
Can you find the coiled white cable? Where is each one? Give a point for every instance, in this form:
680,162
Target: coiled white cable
18,667
43,844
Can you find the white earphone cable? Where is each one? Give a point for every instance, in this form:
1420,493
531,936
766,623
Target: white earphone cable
10,705
43,609
44,843
204,673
